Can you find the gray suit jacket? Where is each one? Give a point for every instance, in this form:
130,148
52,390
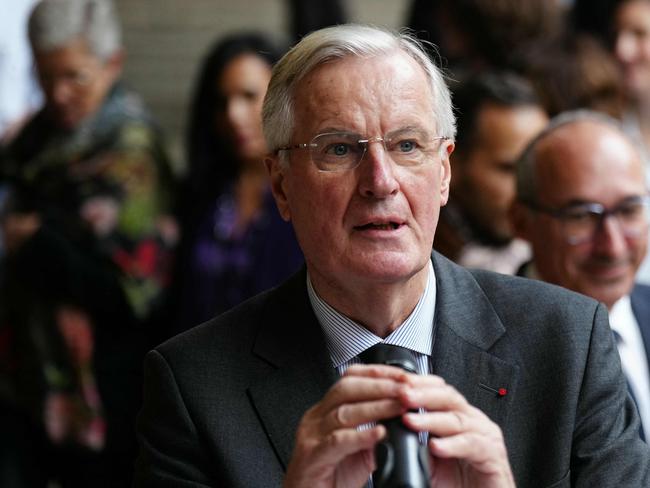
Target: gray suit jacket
223,400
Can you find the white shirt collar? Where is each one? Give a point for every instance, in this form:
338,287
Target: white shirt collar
347,339
621,318
633,357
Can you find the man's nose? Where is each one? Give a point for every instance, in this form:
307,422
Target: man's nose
377,178
59,92
610,239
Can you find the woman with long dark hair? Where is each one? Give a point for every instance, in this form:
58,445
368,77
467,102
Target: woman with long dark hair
234,242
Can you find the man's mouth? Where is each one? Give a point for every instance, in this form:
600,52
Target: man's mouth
379,226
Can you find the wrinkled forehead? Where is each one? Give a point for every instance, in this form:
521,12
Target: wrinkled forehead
356,90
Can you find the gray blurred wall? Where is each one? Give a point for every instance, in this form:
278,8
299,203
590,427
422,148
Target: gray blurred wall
166,39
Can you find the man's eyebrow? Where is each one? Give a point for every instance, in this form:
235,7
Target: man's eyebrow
332,129
409,128
577,202
630,198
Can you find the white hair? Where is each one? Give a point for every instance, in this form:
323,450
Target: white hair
55,23
338,42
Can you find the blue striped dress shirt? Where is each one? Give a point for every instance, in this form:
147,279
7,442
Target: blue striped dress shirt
346,339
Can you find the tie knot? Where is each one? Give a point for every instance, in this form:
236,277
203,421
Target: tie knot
391,355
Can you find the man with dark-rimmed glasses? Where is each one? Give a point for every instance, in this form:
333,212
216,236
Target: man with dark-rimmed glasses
583,205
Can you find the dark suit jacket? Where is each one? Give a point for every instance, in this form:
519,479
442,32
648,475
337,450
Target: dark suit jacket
223,400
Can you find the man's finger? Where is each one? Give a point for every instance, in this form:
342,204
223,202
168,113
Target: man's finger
354,389
351,415
441,424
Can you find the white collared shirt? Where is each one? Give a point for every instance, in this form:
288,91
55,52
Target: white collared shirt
633,356
346,339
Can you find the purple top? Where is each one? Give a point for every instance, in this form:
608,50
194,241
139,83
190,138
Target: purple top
225,268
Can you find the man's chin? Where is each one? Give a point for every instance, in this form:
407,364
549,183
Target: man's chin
609,292
389,268
610,274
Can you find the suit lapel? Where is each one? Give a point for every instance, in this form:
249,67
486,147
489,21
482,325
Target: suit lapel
467,327
293,343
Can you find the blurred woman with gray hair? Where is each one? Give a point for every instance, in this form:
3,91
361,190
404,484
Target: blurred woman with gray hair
88,243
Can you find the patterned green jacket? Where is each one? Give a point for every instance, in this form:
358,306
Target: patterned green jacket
111,175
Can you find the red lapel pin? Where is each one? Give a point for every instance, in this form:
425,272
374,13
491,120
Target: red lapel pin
501,392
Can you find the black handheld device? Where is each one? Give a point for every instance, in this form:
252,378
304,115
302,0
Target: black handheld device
402,462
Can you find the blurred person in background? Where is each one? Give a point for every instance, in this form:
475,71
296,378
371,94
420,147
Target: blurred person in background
93,155
582,203
88,242
478,35
234,242
631,46
498,113
573,72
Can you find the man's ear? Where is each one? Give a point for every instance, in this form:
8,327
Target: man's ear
445,173
276,170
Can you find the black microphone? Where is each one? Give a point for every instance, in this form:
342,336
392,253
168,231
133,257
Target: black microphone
402,462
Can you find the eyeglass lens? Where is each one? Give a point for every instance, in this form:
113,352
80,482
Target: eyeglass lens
581,222
342,150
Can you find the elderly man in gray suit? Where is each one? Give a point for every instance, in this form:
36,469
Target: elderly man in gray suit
519,384
582,203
